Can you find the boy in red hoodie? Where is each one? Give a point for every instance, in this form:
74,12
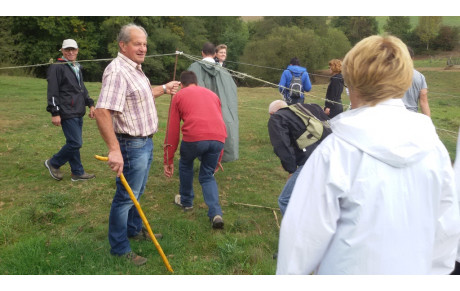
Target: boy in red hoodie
203,136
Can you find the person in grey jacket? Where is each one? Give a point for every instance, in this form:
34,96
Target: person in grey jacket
67,101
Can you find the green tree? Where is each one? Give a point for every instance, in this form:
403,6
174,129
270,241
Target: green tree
428,28
33,40
260,29
195,35
356,27
38,40
398,26
7,48
284,43
235,37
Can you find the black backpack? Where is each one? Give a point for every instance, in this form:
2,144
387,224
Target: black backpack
295,87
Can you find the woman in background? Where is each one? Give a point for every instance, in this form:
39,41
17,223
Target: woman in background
221,54
334,90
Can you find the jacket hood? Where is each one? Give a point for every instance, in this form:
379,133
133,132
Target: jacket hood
297,70
209,67
388,132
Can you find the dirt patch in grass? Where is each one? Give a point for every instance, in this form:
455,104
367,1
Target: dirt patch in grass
6,124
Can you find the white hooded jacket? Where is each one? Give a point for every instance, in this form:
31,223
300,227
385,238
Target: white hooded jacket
457,181
377,196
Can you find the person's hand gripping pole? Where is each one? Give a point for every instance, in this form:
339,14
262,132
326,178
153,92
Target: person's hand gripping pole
141,213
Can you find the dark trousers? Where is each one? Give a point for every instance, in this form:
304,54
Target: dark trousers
70,152
209,151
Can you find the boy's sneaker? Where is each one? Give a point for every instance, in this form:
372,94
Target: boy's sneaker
177,202
217,222
135,259
85,176
144,235
54,172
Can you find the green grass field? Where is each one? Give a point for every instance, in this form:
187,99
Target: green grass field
51,227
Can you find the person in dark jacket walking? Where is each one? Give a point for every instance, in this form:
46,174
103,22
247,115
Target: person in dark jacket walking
284,128
67,101
333,105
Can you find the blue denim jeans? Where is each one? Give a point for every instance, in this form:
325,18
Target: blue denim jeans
209,151
70,152
124,220
285,195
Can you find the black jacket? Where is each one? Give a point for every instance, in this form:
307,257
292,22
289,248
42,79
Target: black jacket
66,97
334,93
284,128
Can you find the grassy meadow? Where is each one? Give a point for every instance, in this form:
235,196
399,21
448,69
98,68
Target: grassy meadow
60,227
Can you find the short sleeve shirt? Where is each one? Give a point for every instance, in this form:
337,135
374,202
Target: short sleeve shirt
127,92
412,95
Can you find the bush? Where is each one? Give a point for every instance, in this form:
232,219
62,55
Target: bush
447,38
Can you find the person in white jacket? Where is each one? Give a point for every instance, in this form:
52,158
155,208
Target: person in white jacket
377,196
457,183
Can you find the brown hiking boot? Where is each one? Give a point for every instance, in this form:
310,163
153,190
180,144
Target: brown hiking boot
83,177
54,172
144,235
135,259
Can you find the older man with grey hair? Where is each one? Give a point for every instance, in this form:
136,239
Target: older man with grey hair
127,119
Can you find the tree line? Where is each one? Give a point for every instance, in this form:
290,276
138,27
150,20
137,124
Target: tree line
267,42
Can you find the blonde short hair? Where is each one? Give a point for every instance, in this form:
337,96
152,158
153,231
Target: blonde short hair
378,68
335,65
276,105
221,47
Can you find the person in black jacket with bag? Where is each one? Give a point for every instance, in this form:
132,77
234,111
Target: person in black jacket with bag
67,101
285,129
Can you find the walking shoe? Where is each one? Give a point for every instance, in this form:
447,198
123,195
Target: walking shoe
54,172
217,222
177,202
135,259
144,235
85,176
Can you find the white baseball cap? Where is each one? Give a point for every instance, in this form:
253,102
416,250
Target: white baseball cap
69,43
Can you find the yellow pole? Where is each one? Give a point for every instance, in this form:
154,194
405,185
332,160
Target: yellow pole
141,213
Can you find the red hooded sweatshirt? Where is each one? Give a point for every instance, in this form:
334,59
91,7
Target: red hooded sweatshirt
201,113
